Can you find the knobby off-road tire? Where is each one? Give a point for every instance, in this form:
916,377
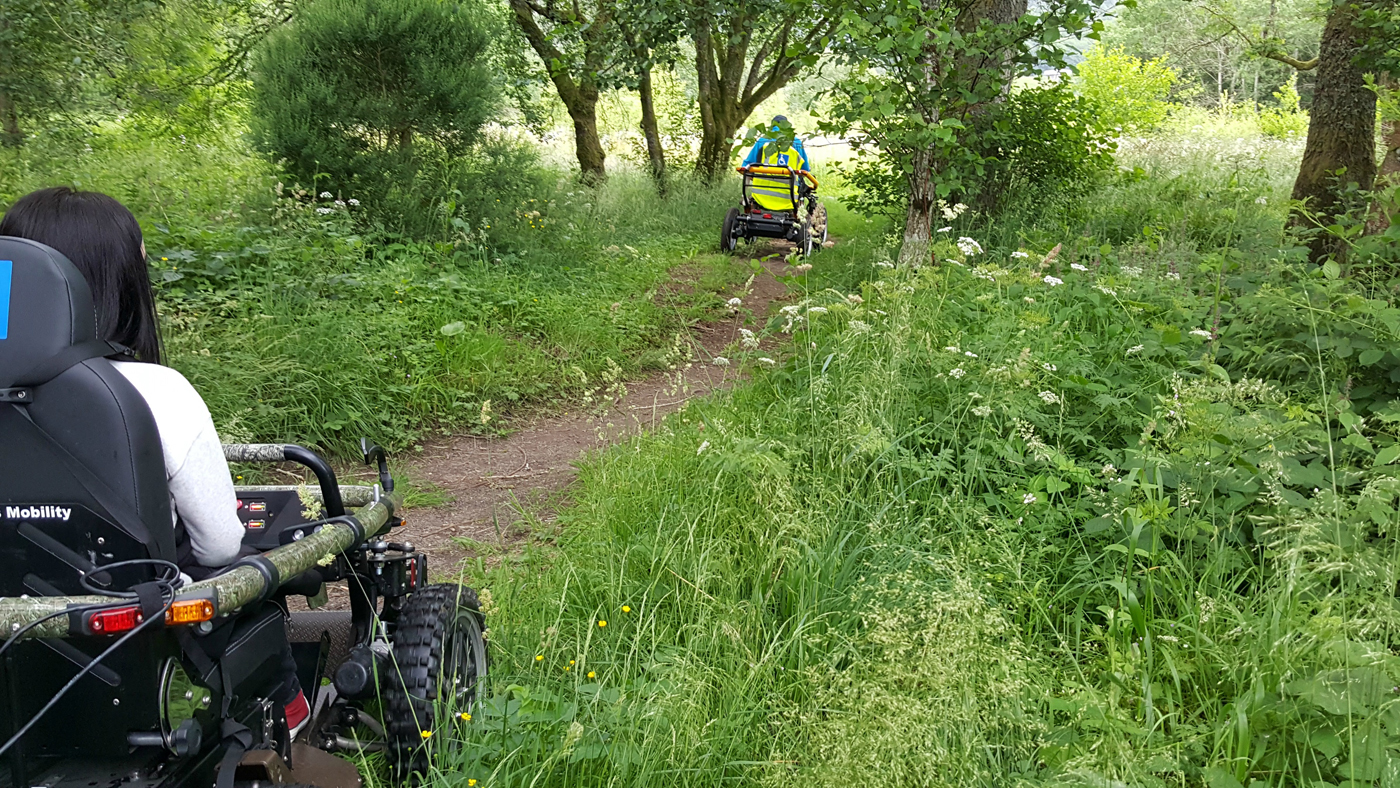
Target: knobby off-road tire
727,238
817,220
439,661
805,242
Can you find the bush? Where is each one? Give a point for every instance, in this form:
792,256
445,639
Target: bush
365,91
1287,119
1129,93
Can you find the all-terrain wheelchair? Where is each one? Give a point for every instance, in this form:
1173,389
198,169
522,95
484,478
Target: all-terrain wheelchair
113,672
798,216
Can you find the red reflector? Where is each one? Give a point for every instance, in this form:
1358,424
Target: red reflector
110,622
768,216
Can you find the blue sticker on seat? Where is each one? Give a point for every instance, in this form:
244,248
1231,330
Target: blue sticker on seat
6,272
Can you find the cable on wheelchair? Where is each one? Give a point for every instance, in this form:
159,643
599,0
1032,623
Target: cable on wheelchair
170,580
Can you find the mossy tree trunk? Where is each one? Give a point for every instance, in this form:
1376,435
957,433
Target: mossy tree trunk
1384,214
1341,133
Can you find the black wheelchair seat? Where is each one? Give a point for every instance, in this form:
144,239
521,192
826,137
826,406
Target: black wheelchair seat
82,475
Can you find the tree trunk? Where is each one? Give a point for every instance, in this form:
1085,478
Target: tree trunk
589,146
656,156
10,133
1341,132
580,96
1384,214
918,220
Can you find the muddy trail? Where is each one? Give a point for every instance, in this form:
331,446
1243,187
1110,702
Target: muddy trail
492,483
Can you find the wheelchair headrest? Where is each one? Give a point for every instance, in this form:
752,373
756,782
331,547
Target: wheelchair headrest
45,305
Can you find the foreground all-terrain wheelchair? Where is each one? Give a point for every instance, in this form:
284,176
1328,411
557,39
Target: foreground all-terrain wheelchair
112,672
800,217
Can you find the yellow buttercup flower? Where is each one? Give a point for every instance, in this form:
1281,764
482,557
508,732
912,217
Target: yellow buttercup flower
472,780
591,674
426,734
539,657
626,609
465,717
602,623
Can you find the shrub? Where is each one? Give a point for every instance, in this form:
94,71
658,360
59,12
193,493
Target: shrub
1130,93
1287,119
363,91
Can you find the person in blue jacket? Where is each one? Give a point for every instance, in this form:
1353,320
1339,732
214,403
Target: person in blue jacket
756,152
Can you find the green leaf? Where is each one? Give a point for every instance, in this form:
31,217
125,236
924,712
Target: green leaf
453,329
1387,455
1331,270
1371,356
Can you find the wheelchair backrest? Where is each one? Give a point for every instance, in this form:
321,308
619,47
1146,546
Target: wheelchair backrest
82,476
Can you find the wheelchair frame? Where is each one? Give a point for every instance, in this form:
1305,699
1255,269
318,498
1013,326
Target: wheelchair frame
752,220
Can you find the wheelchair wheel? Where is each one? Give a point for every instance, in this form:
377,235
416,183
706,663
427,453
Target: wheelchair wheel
439,662
805,240
729,231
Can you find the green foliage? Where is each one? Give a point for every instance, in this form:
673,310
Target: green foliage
1028,517
1129,93
361,93
1288,119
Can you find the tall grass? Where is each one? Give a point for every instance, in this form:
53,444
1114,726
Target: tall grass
996,522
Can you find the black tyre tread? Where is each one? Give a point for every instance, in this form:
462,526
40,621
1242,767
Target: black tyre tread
411,690
727,241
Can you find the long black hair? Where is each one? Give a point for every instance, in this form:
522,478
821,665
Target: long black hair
103,240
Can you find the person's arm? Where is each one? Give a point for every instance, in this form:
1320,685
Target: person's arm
205,500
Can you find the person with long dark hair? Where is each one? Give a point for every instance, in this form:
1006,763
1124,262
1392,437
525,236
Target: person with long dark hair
103,241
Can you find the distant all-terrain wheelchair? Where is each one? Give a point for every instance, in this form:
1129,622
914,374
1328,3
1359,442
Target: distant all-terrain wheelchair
115,673
776,202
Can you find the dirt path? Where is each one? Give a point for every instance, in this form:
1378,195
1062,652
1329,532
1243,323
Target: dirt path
492,480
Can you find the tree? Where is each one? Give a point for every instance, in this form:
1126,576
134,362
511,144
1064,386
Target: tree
744,53
351,87
50,50
923,69
580,47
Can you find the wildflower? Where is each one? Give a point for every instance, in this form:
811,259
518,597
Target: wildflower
354,202
855,299
1050,258
969,354
1261,200
816,310
1078,267
1049,397
982,411
539,657
592,674
802,269
326,195
1131,271
766,361
1019,255
749,339
1108,291
859,326
957,373
1174,276
324,211
1054,281
1134,349
790,309
1049,367
952,349
572,662
945,229
1028,499
1028,299
1109,470
626,609
471,782
734,303
720,361
340,203
703,447
884,263
1200,332
973,395
426,734
601,623
969,246
465,717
